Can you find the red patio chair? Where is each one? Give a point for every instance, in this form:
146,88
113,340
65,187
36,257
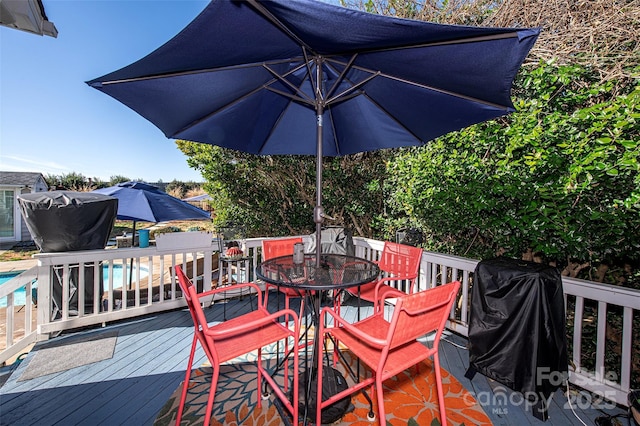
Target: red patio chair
283,247
389,347
234,337
398,262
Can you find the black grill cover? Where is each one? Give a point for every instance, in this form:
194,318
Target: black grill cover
62,221
517,329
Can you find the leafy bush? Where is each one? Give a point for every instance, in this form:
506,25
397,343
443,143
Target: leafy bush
559,177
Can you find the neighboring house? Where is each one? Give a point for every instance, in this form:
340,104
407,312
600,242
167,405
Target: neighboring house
201,201
12,226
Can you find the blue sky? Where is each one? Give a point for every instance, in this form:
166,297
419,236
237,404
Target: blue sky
52,122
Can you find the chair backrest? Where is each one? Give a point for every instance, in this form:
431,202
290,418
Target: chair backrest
400,260
278,247
197,315
185,283
423,312
199,268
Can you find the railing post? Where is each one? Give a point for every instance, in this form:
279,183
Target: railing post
43,313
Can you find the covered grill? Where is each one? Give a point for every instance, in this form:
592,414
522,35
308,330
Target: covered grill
517,328
61,221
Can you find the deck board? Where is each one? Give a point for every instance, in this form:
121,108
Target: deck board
148,365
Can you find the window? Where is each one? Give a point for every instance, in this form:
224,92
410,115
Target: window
7,214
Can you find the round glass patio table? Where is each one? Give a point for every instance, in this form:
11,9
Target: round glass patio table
312,278
336,271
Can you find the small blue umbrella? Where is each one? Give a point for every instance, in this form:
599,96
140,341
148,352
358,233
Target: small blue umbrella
141,202
310,78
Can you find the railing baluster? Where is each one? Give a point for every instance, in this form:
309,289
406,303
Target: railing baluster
577,333
601,340
627,348
80,289
10,322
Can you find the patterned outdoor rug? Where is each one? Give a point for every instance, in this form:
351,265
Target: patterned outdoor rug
410,399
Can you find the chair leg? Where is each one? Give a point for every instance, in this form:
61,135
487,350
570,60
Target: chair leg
286,362
443,411
301,310
301,317
318,392
212,394
185,385
382,417
259,361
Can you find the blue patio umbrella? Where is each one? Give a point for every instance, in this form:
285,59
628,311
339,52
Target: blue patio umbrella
141,202
310,78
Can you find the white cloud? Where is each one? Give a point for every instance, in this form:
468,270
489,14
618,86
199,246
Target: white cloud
22,164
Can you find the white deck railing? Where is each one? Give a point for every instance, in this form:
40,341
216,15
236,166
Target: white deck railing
154,289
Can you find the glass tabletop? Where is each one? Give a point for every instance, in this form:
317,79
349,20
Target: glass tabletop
335,271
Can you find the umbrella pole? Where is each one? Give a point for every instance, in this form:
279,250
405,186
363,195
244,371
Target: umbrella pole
133,244
318,213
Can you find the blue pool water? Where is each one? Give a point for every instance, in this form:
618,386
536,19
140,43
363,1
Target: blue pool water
19,295
6,276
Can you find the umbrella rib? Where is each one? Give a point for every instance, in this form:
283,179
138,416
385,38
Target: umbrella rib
201,119
310,74
348,65
346,94
443,91
341,76
278,24
304,98
201,71
344,97
249,94
290,96
274,127
374,74
333,127
392,117
476,39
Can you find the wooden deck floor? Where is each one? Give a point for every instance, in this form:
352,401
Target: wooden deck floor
148,364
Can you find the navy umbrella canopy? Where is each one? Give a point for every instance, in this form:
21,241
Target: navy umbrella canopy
141,202
309,78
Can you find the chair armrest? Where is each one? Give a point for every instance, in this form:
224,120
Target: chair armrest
338,321
384,280
252,325
232,287
398,278
380,296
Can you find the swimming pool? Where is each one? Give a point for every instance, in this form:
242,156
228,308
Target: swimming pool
6,276
19,297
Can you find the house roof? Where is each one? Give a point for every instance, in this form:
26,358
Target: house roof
202,197
20,178
26,15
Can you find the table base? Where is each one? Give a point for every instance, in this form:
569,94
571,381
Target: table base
333,382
